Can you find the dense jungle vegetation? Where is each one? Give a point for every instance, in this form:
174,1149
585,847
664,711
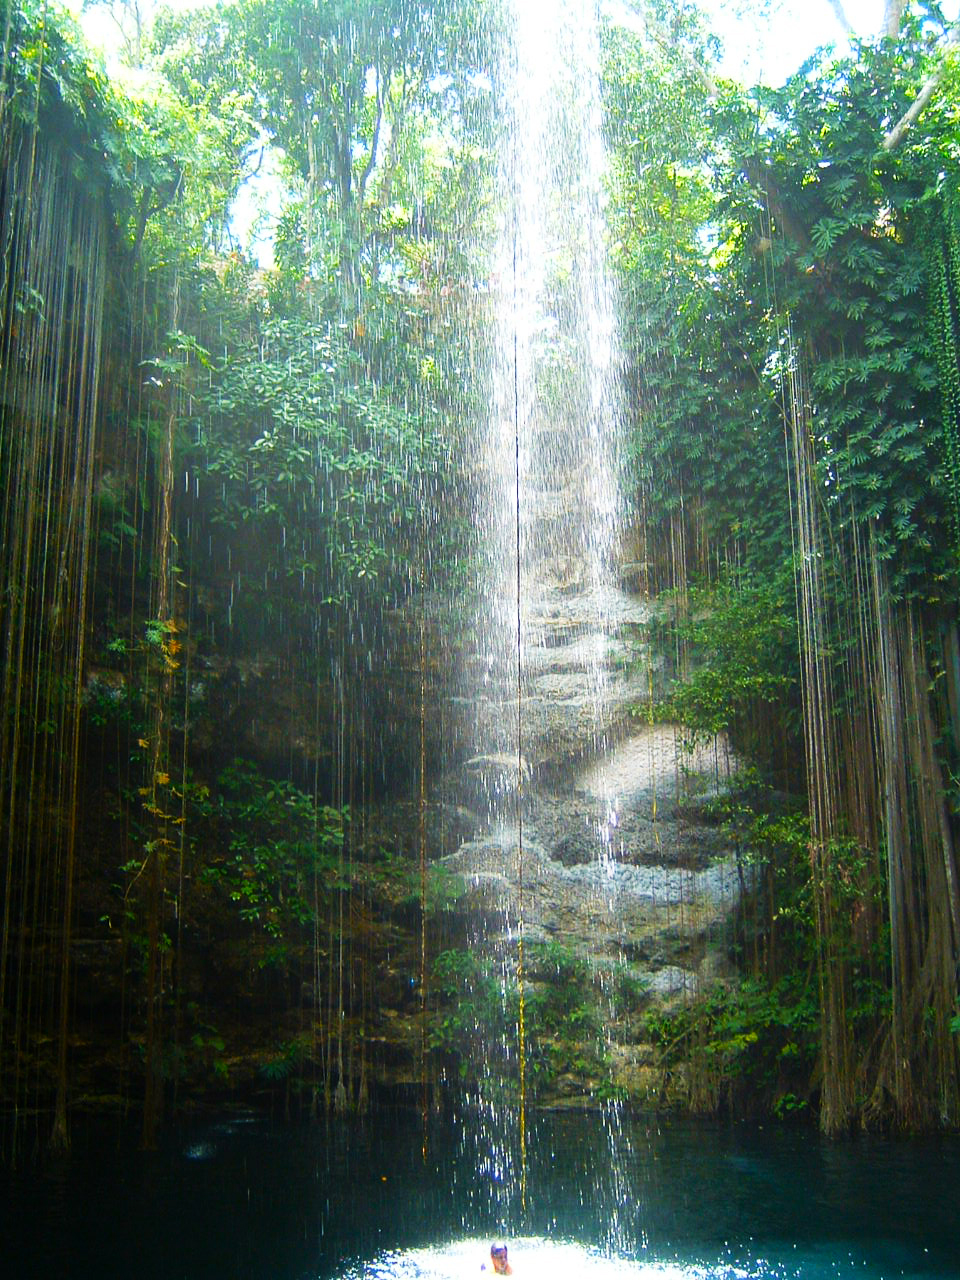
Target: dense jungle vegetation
238,550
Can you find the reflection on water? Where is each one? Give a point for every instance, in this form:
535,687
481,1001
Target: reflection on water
532,1256
609,1198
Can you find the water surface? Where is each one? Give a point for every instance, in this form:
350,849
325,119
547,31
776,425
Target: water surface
607,1198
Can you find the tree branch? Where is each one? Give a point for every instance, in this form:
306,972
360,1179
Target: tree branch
892,17
762,178
391,158
841,16
663,38
375,139
895,135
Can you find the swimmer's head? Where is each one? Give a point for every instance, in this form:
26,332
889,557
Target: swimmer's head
498,1256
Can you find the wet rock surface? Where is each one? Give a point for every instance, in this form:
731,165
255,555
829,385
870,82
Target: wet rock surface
608,869
599,831
584,672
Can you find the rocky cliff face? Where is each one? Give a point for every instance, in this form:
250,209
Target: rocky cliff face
627,890
596,834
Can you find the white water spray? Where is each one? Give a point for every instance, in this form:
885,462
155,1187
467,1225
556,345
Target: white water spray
546,498
548,501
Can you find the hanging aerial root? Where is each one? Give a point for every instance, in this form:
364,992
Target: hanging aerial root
52,283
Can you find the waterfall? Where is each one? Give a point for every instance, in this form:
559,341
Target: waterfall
547,502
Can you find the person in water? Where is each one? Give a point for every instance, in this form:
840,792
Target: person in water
498,1259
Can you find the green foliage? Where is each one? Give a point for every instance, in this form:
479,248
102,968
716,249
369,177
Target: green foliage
396,877
288,1060
801,282
479,1010
158,163
788,1104
50,79
851,233
207,1049
944,275
273,844
199,55
772,840
706,435
106,703
739,637
476,1017
760,1036
779,214
338,88
562,1001
295,425
749,1034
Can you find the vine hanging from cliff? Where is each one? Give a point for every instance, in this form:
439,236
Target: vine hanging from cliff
945,326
